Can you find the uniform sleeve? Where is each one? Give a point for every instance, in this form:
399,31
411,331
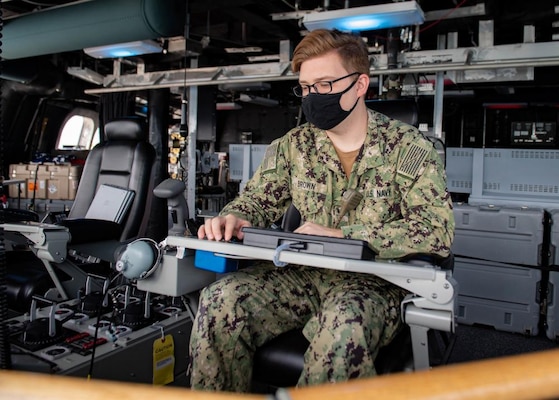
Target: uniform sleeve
426,222
266,195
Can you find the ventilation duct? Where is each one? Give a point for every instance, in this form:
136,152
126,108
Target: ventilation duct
90,24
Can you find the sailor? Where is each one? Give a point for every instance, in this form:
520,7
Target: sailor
402,207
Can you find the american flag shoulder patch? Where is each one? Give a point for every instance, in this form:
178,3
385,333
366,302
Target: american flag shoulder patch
270,157
411,162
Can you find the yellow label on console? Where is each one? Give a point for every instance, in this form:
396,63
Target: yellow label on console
163,360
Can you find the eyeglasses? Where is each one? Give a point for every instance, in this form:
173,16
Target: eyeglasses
322,87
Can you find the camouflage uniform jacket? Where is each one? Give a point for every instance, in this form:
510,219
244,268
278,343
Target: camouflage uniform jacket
405,209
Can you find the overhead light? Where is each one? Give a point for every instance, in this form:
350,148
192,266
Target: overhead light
366,18
263,101
127,49
86,74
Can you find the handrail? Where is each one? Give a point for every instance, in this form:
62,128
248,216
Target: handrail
37,386
528,376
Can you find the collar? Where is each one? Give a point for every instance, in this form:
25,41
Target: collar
373,146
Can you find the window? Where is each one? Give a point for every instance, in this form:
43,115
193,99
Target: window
79,132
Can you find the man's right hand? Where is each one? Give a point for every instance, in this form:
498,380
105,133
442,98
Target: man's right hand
223,228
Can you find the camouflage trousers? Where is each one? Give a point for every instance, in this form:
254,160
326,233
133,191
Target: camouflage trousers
346,316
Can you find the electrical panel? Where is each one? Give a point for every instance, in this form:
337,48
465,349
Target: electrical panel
533,133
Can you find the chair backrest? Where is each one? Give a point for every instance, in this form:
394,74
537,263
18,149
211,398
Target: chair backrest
404,110
125,159
291,219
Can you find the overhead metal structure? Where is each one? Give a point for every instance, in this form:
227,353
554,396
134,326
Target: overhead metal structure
458,59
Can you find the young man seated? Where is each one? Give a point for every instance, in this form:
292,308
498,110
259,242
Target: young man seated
405,208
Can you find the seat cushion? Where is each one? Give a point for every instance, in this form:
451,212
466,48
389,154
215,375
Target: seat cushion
279,362
84,230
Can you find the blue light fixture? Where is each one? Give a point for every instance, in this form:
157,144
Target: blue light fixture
121,50
366,18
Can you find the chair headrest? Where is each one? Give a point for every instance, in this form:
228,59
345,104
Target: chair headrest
127,128
402,109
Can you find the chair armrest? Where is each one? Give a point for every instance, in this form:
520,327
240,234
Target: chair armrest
446,263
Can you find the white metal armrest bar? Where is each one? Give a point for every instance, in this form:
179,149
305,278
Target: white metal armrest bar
430,306
427,281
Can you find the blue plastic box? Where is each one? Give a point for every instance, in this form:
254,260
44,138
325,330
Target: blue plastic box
209,261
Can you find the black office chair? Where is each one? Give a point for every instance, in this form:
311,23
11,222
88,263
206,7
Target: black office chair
405,110
279,362
125,159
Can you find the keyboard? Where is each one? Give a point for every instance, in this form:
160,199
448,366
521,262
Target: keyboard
313,244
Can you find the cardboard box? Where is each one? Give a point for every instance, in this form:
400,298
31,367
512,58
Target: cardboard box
37,181
59,170
75,173
73,182
18,172
57,185
57,188
45,181
38,169
37,188
76,170
19,190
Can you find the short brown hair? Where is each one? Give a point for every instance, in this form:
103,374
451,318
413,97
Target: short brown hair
352,49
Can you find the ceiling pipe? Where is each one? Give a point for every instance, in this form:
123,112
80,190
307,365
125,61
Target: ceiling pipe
90,24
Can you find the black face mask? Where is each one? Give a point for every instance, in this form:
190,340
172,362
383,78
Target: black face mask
324,110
